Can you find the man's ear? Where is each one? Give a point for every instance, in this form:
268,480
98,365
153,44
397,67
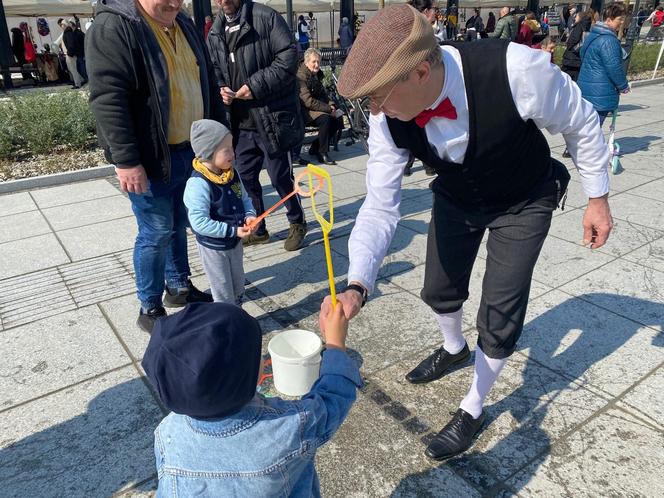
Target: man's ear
423,72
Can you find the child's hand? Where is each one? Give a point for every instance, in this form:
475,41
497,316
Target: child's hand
243,232
336,327
248,223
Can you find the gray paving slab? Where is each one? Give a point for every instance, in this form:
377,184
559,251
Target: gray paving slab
16,203
639,210
650,255
88,212
122,313
529,408
625,236
593,346
374,456
631,290
73,193
613,455
645,397
32,254
22,225
90,439
98,239
50,354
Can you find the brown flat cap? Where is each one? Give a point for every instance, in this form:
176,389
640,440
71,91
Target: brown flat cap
388,47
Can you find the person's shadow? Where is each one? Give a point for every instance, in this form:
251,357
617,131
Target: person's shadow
102,451
565,345
309,266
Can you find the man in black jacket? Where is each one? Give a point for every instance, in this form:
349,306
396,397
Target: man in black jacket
255,61
71,51
150,78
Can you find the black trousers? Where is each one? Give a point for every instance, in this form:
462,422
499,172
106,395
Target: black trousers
514,244
328,127
250,158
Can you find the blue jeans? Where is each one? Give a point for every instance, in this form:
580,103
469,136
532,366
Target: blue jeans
160,252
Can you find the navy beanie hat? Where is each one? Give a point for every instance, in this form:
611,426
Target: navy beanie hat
203,361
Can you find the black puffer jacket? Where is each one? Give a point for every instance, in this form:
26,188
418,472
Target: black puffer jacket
129,93
572,56
267,57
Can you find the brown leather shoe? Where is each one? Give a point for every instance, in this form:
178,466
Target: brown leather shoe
295,238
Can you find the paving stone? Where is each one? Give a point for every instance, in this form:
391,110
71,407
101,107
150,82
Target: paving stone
22,225
55,352
90,439
102,238
373,456
16,203
88,212
22,297
650,255
624,238
297,277
628,289
122,313
528,409
651,190
593,346
28,255
73,193
97,279
613,455
639,210
646,395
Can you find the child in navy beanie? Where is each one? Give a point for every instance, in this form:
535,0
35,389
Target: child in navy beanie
222,439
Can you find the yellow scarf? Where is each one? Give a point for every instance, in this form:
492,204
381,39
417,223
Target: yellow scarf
220,179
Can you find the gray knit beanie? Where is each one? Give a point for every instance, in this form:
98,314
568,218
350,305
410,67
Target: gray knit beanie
206,135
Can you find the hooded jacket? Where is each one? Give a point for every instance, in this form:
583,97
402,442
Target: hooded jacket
129,92
528,28
267,59
602,76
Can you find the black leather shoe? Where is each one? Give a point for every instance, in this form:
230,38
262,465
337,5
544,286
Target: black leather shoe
566,154
178,299
147,320
456,437
408,169
325,159
436,365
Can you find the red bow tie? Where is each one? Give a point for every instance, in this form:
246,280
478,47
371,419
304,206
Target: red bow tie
444,110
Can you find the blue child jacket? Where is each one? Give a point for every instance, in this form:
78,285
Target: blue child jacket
267,449
602,76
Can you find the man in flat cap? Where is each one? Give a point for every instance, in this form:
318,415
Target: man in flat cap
474,112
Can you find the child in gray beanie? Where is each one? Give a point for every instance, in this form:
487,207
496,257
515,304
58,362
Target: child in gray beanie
219,210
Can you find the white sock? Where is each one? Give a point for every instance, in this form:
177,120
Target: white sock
450,326
487,371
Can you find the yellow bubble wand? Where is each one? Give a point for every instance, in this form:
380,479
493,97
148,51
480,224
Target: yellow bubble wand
326,226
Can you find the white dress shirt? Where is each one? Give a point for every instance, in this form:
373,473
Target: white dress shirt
540,91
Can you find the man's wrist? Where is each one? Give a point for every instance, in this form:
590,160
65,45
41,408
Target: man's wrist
360,289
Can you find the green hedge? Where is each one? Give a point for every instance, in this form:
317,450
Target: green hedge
39,123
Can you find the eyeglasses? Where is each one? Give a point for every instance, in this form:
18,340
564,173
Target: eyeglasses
376,108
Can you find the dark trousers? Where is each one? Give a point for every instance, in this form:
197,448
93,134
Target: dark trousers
514,244
328,127
250,157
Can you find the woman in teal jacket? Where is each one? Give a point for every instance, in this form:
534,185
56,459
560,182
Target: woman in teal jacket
602,77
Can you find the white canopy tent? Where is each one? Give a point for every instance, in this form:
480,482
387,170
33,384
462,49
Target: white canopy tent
47,8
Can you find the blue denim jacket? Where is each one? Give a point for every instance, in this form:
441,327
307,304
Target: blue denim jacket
267,449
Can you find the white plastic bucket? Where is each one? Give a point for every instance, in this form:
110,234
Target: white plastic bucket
296,360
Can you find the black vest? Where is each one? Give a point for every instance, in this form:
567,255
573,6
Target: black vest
506,157
226,206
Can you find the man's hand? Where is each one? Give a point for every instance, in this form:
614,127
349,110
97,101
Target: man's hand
133,180
227,95
351,301
244,93
243,232
597,222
